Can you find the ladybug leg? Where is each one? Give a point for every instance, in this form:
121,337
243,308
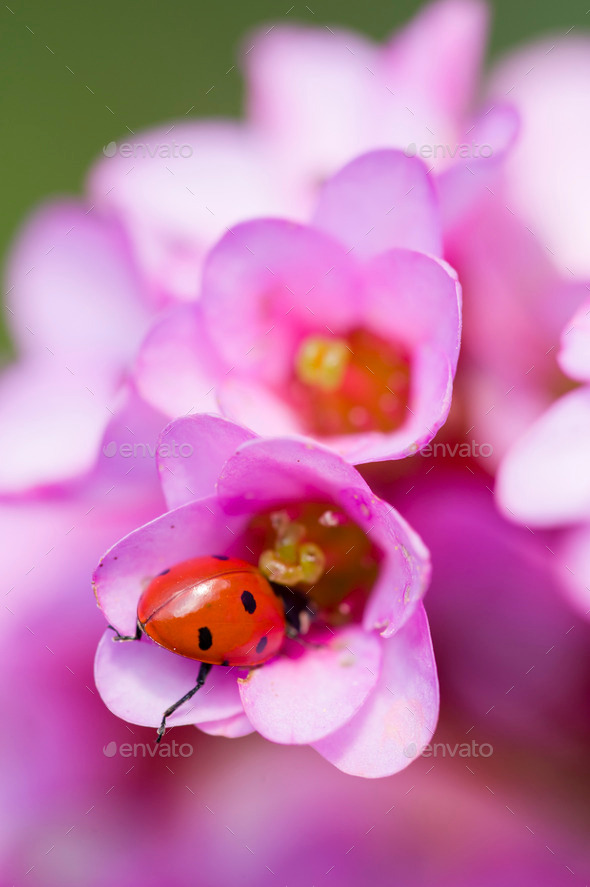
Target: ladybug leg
127,637
201,678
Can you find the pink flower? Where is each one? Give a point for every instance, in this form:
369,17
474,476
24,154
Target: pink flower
346,331
316,98
522,251
322,96
155,206
495,609
547,182
77,311
544,480
368,690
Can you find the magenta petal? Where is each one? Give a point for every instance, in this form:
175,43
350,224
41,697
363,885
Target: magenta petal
138,681
267,283
299,700
195,529
177,366
398,719
191,454
381,200
231,728
573,567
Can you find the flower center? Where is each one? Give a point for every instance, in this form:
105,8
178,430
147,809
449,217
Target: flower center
320,551
291,561
348,385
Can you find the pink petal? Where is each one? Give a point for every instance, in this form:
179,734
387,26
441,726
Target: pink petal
267,473
70,274
435,60
404,574
470,178
547,181
138,681
231,728
191,453
545,478
427,320
257,407
381,200
192,530
415,299
269,282
264,473
311,80
574,357
53,424
175,207
398,719
300,699
177,366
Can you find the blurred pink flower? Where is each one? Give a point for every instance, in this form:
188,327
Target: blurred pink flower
321,96
362,696
346,331
77,314
512,657
155,207
316,98
546,176
522,251
544,480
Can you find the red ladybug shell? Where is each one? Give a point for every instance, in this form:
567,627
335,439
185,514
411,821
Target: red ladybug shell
214,609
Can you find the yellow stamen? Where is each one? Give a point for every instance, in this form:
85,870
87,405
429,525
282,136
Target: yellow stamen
291,561
322,362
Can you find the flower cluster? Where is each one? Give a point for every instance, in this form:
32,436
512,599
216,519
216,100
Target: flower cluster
233,350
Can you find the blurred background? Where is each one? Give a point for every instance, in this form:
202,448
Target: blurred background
77,76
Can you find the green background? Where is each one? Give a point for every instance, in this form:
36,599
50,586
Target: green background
151,62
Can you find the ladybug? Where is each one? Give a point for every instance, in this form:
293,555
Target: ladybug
219,611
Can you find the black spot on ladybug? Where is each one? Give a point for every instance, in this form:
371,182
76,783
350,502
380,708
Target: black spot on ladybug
221,557
261,645
163,573
205,639
225,662
248,601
